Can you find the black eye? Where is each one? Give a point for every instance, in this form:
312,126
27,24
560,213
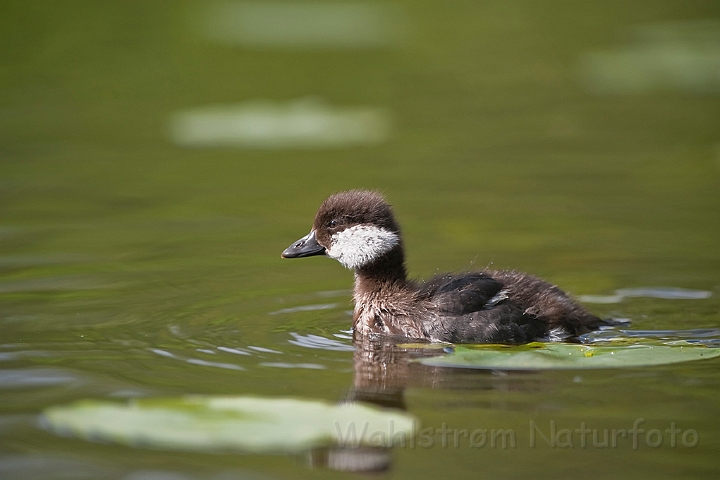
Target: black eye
333,223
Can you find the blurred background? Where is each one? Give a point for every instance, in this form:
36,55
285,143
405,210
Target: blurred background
552,136
156,158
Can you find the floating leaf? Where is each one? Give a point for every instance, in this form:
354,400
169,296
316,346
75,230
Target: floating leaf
549,356
232,423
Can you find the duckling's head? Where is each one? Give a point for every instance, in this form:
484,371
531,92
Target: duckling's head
357,228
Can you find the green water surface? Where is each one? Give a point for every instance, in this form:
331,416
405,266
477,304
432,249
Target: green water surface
131,266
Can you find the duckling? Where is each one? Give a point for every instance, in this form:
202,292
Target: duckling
358,229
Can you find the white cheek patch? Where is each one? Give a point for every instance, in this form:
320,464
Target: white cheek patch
359,245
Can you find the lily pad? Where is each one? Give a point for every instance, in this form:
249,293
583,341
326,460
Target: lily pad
561,356
230,423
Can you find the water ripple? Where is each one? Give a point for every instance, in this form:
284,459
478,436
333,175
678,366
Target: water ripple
236,351
709,337
205,363
668,293
316,341
40,377
311,366
305,308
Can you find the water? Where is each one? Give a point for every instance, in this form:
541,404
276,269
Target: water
515,135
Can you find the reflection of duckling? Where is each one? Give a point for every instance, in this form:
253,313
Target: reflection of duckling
358,229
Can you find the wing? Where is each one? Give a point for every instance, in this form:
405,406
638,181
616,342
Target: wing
460,294
503,323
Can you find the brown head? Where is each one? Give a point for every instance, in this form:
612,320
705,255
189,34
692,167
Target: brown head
356,227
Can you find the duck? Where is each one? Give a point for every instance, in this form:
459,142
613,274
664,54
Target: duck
358,229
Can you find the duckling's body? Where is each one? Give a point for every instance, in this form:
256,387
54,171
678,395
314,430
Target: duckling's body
359,230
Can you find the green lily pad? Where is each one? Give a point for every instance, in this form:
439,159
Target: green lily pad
230,423
559,356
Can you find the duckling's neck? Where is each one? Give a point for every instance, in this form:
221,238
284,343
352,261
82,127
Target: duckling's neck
387,271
